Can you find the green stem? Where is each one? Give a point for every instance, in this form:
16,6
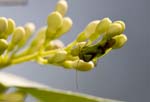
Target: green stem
46,53
31,57
24,58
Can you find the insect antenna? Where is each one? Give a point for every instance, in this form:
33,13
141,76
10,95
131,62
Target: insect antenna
76,73
76,79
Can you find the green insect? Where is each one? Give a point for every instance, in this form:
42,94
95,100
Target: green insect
88,53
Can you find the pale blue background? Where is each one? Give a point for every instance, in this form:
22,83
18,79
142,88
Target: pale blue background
123,74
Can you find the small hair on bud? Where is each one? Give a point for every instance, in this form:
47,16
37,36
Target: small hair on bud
3,45
120,41
18,35
11,26
54,21
3,24
83,66
62,7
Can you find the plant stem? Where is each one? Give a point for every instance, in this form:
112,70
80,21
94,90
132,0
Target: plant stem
31,56
24,58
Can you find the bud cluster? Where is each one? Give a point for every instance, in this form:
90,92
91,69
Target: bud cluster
57,23
46,48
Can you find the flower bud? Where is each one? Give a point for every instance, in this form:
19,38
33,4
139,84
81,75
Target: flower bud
66,26
114,29
120,41
59,56
122,24
54,21
76,50
39,40
3,24
83,66
29,29
101,28
11,26
62,7
68,64
54,44
18,35
90,28
81,37
103,25
3,45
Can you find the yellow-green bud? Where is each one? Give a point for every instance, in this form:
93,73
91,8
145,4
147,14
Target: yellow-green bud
114,29
54,21
76,50
68,64
3,24
3,45
83,66
120,41
18,35
11,26
66,26
81,37
90,28
62,7
101,28
122,24
59,56
54,44
103,25
29,29
39,40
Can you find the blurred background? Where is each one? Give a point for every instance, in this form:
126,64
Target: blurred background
123,74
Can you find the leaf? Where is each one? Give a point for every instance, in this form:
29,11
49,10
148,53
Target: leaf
12,97
2,88
9,80
44,93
